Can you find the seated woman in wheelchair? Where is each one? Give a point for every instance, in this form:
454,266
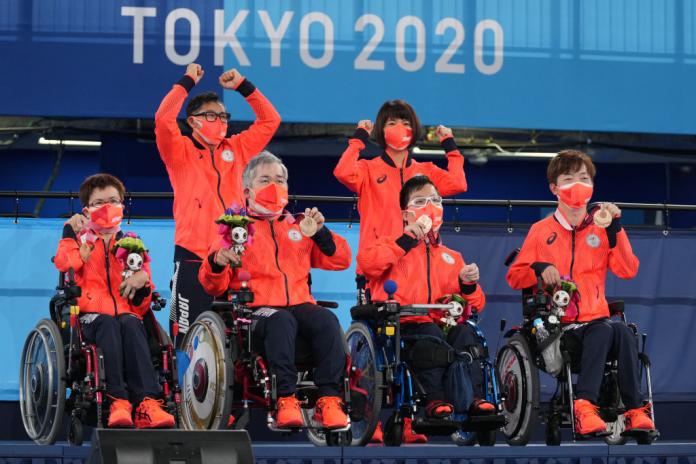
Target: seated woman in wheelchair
572,244
426,270
279,257
111,306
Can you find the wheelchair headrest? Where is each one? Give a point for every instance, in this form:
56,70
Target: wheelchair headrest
616,307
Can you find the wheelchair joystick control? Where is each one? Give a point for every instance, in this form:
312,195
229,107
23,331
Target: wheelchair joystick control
244,295
244,277
390,288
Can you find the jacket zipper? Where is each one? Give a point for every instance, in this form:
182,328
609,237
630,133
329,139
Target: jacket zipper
572,262
427,260
285,277
219,178
401,175
108,277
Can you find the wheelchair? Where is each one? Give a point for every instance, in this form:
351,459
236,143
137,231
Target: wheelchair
382,377
60,373
519,361
225,378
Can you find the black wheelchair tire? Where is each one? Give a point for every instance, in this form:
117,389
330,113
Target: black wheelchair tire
486,437
76,432
518,430
358,330
393,431
46,334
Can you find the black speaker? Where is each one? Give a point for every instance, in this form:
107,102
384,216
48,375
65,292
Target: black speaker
127,446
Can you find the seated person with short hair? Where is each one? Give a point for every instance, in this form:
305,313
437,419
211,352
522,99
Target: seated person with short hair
426,270
113,302
279,258
570,245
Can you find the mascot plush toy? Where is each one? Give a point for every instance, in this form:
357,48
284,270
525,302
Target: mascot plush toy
130,251
236,229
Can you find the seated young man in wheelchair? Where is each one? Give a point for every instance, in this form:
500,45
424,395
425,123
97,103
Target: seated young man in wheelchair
574,245
116,289
278,256
426,271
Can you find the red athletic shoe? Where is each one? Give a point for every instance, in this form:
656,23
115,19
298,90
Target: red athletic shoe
329,412
409,436
120,413
438,409
587,420
150,415
378,435
639,419
289,413
481,408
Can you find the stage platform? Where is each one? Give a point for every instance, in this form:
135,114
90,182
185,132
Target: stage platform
283,453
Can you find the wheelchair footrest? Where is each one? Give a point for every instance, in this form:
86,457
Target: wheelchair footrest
488,422
590,436
435,426
641,433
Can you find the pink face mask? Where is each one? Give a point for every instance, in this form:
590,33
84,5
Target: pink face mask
211,133
398,136
575,195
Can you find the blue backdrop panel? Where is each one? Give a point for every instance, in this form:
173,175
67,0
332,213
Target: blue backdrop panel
540,64
660,300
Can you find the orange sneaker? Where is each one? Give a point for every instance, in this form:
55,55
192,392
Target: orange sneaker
150,415
409,436
482,407
289,413
120,413
329,412
378,435
587,420
438,409
639,419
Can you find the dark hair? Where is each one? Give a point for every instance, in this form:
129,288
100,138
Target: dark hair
100,181
567,162
410,186
199,100
396,109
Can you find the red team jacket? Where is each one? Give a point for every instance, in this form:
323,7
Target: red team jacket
99,277
378,181
583,253
423,273
279,261
206,182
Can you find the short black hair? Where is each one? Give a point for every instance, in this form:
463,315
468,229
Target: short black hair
396,109
410,186
199,100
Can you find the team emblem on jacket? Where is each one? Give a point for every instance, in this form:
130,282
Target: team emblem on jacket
592,240
446,257
228,156
294,235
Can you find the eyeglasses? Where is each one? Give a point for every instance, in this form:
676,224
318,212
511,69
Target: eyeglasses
211,116
420,202
100,203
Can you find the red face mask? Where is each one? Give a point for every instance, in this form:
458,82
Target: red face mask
212,133
575,195
398,136
432,211
107,217
272,198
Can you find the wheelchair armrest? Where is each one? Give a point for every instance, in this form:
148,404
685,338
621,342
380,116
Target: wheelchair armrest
328,304
361,312
616,308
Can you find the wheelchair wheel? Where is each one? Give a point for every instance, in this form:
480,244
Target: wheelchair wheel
393,431
616,428
173,408
486,437
519,382
207,380
42,383
76,435
366,383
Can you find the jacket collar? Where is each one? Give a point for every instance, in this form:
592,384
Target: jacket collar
390,162
560,218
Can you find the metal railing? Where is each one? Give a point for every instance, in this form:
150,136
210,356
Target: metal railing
72,197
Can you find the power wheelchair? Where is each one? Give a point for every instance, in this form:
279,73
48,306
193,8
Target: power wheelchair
519,361
382,376
223,377
62,373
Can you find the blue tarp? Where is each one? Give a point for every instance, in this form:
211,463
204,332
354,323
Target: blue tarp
661,300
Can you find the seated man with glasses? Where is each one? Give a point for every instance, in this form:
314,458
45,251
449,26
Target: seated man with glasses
426,271
205,169
111,305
